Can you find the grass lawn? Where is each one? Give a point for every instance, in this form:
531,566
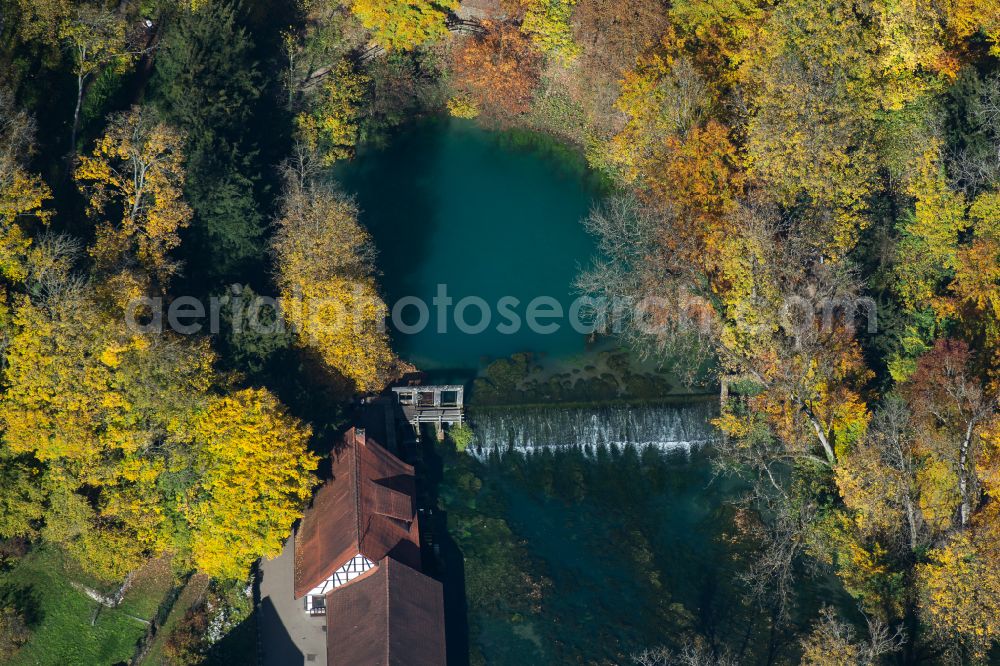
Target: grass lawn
192,594
238,646
61,616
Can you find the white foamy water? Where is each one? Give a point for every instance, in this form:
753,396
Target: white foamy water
527,430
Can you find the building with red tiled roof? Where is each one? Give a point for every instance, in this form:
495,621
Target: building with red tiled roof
364,514
393,617
357,561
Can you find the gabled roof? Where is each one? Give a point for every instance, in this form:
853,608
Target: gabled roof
393,617
368,508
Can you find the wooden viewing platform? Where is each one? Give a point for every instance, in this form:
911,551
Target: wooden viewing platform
440,405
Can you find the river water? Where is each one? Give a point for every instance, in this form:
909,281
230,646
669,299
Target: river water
665,428
613,511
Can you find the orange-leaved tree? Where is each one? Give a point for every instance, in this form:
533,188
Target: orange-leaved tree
498,69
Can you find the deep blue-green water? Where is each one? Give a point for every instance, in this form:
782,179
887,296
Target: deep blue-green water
560,556
630,544
484,215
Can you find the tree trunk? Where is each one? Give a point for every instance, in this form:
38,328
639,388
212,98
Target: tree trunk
126,584
76,114
963,475
911,519
821,435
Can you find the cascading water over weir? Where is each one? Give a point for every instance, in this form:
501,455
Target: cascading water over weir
527,430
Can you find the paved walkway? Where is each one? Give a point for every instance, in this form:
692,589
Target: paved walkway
288,636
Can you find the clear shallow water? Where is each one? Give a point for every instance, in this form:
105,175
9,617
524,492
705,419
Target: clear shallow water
629,543
449,203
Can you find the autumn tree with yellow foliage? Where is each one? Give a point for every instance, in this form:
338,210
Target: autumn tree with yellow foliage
22,194
329,127
404,24
136,171
961,587
325,264
255,477
548,23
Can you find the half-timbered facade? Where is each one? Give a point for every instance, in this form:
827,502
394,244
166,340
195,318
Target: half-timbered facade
357,563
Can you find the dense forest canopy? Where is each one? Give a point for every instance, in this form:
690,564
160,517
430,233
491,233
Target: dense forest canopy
810,189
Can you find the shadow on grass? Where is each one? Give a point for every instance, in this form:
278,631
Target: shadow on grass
25,601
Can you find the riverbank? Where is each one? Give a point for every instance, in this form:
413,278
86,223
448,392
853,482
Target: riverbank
605,373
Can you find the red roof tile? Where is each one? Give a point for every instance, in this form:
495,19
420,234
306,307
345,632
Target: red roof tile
392,617
368,508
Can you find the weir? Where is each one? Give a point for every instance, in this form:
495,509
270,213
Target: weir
528,430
